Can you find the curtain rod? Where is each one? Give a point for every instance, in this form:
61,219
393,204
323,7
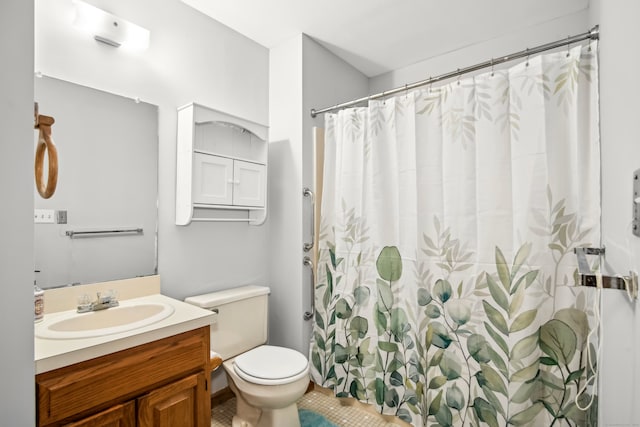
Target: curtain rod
592,34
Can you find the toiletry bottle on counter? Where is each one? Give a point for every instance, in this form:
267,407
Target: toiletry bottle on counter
38,296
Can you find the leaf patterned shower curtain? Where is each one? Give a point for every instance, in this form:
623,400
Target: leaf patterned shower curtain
446,277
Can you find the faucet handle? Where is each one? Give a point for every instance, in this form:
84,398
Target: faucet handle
112,295
84,303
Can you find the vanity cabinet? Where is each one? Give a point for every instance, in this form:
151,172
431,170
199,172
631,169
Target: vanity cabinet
162,383
118,416
173,405
221,169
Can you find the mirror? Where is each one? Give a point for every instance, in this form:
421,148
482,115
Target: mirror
107,188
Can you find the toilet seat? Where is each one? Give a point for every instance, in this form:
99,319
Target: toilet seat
271,365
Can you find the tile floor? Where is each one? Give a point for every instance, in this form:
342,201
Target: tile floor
329,406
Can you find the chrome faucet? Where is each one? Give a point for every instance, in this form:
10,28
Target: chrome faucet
101,303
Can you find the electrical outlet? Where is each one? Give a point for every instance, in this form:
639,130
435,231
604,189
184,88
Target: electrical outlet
44,216
61,217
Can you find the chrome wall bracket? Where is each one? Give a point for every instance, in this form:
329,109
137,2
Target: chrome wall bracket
586,277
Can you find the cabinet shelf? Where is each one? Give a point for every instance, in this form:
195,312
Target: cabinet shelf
221,167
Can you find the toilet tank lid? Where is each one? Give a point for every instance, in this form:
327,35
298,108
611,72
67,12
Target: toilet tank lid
227,296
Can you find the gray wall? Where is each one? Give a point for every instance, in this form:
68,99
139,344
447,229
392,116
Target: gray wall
17,406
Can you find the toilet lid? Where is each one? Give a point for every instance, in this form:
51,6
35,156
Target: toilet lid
271,362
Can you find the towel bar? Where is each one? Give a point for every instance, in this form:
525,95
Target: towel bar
586,277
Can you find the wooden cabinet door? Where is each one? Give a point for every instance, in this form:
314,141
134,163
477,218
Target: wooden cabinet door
118,416
249,184
212,179
184,403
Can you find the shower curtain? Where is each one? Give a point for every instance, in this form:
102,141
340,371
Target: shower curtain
446,290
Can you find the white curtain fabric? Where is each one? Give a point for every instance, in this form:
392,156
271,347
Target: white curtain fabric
446,277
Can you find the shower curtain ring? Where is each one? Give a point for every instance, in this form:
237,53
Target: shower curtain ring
458,72
492,72
568,46
527,52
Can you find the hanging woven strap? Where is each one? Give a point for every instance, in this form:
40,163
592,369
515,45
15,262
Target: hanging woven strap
46,145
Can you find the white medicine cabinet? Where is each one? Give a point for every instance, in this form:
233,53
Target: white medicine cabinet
221,170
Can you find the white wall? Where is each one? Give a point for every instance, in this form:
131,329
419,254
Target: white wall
285,194
17,406
479,52
191,58
620,131
303,75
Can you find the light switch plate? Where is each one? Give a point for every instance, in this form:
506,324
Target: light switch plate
44,216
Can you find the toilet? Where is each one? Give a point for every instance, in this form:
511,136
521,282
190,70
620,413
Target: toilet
267,380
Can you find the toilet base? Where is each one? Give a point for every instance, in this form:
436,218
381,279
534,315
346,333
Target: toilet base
271,413
256,417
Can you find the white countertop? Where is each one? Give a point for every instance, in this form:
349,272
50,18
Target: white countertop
56,353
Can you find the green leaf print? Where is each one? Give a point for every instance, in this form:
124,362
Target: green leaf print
443,290
424,297
385,296
558,341
358,327
343,309
455,398
399,324
495,318
503,270
478,348
485,412
525,417
389,264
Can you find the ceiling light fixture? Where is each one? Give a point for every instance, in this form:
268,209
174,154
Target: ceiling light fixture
109,29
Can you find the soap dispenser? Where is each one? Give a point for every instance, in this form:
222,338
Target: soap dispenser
38,296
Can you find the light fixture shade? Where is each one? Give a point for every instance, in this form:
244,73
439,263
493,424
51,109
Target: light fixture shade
108,28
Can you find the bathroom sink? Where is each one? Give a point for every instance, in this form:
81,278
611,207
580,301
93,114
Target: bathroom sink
126,317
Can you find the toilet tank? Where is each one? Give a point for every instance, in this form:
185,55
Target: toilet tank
241,320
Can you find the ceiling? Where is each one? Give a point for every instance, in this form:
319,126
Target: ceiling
377,36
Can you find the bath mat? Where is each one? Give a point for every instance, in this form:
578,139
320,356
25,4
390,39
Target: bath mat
312,419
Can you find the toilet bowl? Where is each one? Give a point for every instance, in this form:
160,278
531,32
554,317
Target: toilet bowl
267,380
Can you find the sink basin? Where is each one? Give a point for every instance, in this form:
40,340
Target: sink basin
126,317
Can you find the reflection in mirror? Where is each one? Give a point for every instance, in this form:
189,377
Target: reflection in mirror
107,181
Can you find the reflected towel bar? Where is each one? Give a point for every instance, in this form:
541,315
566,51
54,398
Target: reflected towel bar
91,233
221,219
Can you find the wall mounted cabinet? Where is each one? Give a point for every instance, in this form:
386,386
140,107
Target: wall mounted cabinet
221,171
